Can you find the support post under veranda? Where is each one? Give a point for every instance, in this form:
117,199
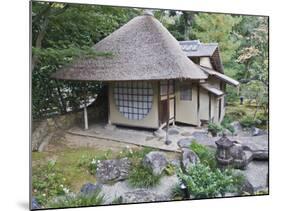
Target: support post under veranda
86,127
168,114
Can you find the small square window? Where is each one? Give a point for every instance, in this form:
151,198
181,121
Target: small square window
186,92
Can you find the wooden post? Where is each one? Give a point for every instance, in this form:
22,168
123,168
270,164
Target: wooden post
168,112
198,105
85,111
210,106
108,103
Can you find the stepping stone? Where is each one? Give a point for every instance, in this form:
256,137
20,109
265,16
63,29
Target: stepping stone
184,142
173,131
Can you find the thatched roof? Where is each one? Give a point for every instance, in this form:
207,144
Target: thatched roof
142,49
194,48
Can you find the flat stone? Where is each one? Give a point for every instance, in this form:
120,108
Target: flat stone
113,170
156,161
119,189
173,131
90,188
142,195
184,142
186,133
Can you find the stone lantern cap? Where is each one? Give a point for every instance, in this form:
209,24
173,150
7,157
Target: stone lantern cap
224,142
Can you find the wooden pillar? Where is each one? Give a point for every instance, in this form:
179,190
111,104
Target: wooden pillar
86,127
108,103
85,118
198,105
210,106
168,111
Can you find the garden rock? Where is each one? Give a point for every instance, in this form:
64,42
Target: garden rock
142,195
35,204
184,142
113,170
240,157
257,132
90,188
260,155
237,127
156,161
189,158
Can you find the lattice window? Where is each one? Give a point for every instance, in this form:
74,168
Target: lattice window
133,99
186,92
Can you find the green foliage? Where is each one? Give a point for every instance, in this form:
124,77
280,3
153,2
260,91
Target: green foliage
142,177
177,192
235,114
47,182
77,200
226,124
117,200
62,33
203,182
262,119
136,155
170,169
214,128
206,155
248,121
217,28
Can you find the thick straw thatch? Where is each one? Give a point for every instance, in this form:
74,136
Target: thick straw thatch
142,49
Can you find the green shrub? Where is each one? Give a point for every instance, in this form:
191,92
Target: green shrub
170,170
236,113
77,200
203,182
248,121
205,154
135,156
262,118
117,200
214,128
142,177
47,182
177,192
227,120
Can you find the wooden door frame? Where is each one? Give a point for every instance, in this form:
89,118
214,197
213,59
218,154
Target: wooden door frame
169,98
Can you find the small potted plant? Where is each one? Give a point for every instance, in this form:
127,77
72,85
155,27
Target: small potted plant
214,129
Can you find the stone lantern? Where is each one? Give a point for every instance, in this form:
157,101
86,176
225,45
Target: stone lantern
223,155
